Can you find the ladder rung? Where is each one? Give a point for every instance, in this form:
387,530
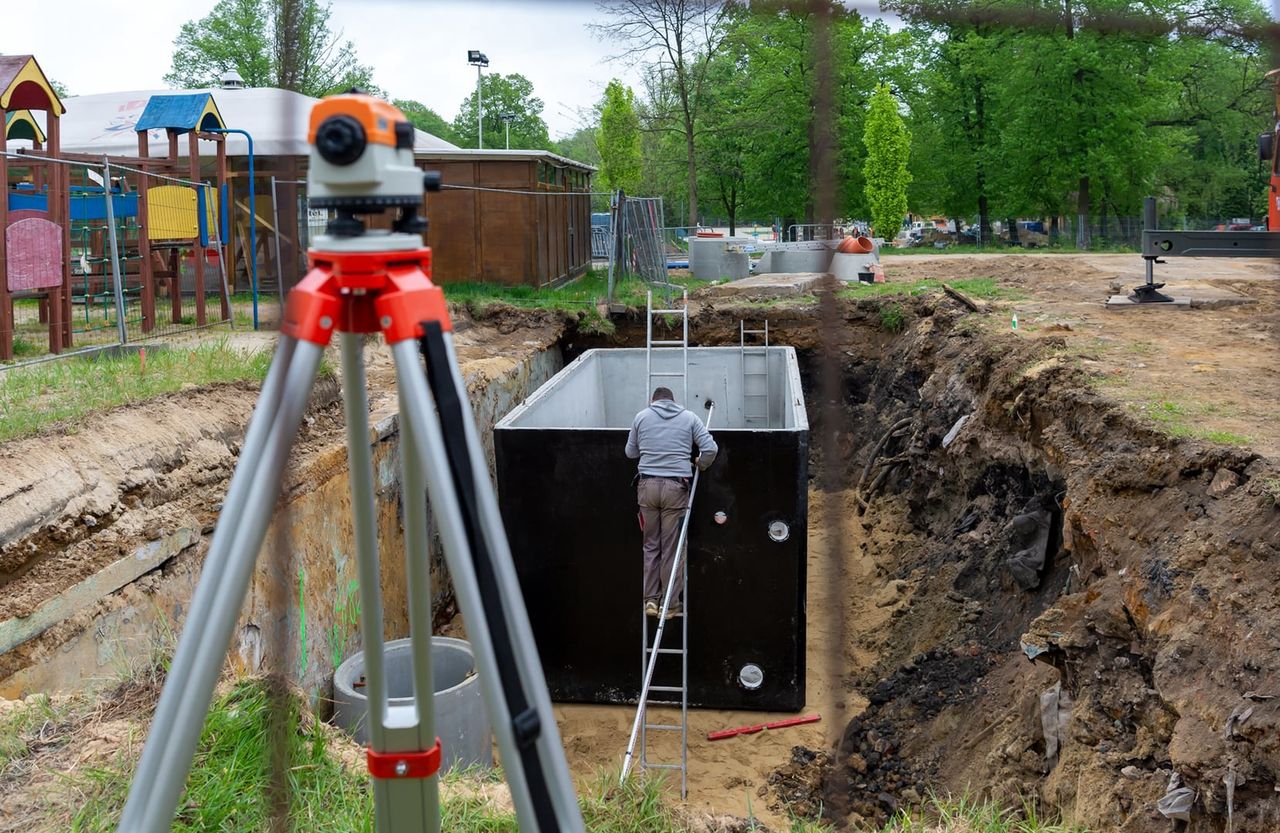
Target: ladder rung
666,650
663,766
666,344
666,373
666,727
665,688
754,332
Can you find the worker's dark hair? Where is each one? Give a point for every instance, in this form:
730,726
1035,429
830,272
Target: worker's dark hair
662,393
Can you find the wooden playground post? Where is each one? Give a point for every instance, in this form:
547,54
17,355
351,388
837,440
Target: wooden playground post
193,155
6,305
60,213
146,270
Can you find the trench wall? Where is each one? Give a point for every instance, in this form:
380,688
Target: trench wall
302,609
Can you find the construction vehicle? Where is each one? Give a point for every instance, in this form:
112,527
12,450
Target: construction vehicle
363,282
1269,150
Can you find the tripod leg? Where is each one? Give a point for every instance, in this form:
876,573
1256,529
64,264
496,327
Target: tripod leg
401,805
418,592
525,730
264,415
551,748
207,640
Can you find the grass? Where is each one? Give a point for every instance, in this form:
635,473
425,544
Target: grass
986,289
37,397
968,815
584,293
893,318
1181,420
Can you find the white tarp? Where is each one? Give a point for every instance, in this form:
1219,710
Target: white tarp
277,120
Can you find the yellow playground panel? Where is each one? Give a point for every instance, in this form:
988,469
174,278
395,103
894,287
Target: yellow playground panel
172,212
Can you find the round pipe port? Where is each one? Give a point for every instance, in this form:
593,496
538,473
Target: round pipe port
779,531
466,738
751,676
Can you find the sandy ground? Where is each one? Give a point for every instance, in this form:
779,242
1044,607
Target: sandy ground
726,776
1203,371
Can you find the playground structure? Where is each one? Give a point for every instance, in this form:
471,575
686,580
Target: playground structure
36,236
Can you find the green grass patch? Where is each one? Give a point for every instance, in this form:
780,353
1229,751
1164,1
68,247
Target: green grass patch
37,397
893,318
584,293
985,289
969,815
1182,420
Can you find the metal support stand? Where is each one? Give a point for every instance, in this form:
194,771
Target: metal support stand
354,292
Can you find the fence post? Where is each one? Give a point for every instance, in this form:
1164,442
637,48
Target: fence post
117,280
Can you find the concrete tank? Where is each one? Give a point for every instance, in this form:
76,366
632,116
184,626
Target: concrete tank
569,504
461,723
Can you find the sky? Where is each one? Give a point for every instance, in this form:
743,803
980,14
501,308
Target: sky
418,48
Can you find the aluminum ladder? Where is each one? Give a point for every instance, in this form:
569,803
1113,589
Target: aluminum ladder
755,377
667,346
667,695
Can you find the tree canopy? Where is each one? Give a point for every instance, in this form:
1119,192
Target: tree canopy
271,43
619,139
503,94
888,146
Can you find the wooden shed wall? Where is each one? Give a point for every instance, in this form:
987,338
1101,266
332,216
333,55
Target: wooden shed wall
514,239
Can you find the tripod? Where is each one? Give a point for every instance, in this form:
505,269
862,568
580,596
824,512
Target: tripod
371,282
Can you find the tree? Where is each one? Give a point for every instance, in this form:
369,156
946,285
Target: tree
271,43
619,139
888,151
512,94
426,119
680,37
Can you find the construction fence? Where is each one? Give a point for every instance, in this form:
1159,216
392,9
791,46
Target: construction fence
639,244
95,256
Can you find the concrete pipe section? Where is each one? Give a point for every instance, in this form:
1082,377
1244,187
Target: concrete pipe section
465,736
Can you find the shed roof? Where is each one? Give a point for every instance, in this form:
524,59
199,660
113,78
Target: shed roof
23,85
180,113
21,124
453,154
277,120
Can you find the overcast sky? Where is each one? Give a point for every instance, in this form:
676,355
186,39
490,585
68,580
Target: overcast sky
418,48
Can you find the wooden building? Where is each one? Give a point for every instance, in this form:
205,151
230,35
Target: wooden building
532,227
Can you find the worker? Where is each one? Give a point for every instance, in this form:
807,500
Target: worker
662,437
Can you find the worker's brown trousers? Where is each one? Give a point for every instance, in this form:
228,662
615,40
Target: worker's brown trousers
662,505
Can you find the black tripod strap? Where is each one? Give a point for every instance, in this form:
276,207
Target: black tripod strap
525,723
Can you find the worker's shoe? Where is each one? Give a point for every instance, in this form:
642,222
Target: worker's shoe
651,608
675,611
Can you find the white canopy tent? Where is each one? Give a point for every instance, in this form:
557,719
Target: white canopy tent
277,120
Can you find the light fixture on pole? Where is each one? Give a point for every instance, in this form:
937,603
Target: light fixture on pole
507,118
479,60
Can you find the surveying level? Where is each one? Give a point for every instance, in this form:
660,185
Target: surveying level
360,282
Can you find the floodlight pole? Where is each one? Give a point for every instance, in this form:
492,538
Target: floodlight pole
479,60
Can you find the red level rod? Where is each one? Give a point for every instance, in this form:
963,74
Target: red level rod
760,727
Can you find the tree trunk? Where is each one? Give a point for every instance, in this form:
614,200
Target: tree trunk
693,174
1082,214
980,125
984,216
733,211
1014,239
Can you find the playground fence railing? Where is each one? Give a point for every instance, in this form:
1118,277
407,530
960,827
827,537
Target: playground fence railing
97,273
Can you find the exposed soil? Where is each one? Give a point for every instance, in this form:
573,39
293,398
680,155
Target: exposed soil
1143,646
1152,612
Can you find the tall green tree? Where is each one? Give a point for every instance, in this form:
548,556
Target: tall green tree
888,151
271,43
619,139
680,37
426,119
511,94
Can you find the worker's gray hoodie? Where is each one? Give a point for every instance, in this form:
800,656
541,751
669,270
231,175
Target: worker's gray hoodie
663,436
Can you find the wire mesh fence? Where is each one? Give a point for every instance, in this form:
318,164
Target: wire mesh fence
97,255
638,248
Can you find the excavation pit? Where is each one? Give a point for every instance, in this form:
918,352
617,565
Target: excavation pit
569,504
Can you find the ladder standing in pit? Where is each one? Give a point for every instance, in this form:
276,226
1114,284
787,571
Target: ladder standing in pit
661,438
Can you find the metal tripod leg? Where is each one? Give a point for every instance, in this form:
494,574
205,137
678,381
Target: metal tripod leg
197,663
401,805
426,426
